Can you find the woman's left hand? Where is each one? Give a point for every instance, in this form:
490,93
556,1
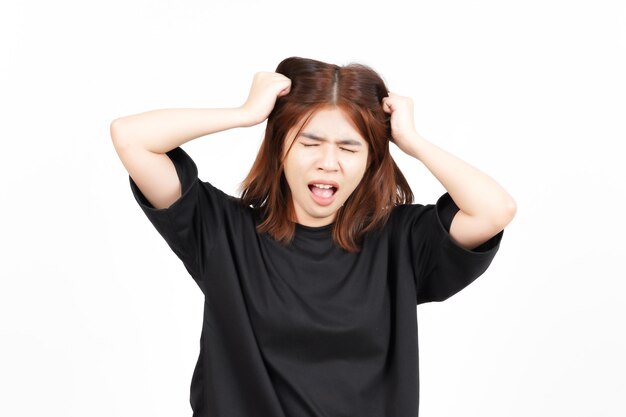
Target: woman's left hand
402,125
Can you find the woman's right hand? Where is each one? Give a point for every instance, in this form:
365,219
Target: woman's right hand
266,88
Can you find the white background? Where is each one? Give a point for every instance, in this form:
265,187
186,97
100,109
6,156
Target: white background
98,317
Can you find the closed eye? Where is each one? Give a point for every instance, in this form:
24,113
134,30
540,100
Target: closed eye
307,145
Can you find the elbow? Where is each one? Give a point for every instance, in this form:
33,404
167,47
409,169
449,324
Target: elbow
503,215
117,133
511,209
507,214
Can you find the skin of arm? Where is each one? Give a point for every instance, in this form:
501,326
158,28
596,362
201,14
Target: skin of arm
485,207
160,131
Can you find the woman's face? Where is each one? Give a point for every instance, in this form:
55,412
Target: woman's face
324,166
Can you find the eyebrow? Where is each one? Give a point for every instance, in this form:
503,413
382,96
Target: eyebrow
341,142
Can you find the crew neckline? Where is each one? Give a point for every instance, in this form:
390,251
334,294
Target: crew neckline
315,229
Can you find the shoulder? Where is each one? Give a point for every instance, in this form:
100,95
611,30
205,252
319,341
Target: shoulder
222,203
403,215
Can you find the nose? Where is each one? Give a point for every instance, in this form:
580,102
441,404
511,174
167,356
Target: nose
329,160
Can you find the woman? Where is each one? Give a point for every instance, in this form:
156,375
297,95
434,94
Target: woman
312,276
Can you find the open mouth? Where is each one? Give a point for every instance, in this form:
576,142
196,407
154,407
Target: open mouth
323,193
323,190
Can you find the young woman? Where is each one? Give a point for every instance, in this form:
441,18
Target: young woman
311,277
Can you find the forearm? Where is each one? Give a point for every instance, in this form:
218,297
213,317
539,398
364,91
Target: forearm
473,191
162,130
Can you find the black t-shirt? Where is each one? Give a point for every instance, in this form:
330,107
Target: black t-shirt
309,329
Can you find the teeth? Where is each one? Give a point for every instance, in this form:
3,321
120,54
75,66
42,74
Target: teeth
326,186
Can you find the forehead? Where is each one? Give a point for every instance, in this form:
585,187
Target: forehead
330,123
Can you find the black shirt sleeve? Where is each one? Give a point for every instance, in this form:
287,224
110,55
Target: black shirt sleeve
188,225
441,267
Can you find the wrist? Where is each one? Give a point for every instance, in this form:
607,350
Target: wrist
415,144
243,117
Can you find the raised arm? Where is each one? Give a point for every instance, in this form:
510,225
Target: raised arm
141,140
485,207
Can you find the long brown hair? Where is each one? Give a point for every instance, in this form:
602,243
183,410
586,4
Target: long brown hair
358,91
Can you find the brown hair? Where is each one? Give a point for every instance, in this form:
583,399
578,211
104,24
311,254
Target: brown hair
358,91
